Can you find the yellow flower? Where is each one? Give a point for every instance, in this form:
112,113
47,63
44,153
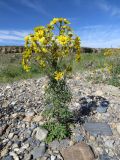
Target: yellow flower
42,63
40,33
63,39
44,50
27,38
54,21
26,67
42,40
59,75
78,57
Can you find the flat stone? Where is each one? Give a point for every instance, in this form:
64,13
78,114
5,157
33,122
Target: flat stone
78,152
38,152
98,128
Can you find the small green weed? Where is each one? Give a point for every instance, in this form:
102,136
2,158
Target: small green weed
56,131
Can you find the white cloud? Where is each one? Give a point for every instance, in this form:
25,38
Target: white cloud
110,8
99,36
13,36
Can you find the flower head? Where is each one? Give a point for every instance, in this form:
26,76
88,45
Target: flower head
58,75
63,39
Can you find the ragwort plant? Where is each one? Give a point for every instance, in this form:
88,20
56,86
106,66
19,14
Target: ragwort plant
54,47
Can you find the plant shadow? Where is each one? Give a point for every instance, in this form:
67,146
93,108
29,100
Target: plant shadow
89,106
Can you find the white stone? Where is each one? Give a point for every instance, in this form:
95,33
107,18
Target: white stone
14,146
53,157
16,149
14,155
109,143
25,146
76,104
8,87
10,136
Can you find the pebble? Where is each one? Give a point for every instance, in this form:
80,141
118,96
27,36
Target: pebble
118,128
10,136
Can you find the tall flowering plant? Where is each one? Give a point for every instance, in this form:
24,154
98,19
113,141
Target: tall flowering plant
54,47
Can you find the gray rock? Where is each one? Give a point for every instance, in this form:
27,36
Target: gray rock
27,156
64,143
54,145
109,143
78,138
102,109
38,152
98,128
8,158
40,133
106,157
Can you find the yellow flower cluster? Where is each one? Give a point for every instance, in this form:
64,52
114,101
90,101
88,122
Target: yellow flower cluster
108,52
50,49
77,47
55,20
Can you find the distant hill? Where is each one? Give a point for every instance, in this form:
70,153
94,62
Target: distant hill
20,49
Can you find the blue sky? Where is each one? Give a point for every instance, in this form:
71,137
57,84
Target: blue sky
97,22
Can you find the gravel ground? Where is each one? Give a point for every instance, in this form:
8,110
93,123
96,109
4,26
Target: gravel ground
21,104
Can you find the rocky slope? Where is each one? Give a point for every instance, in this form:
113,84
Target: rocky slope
97,105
